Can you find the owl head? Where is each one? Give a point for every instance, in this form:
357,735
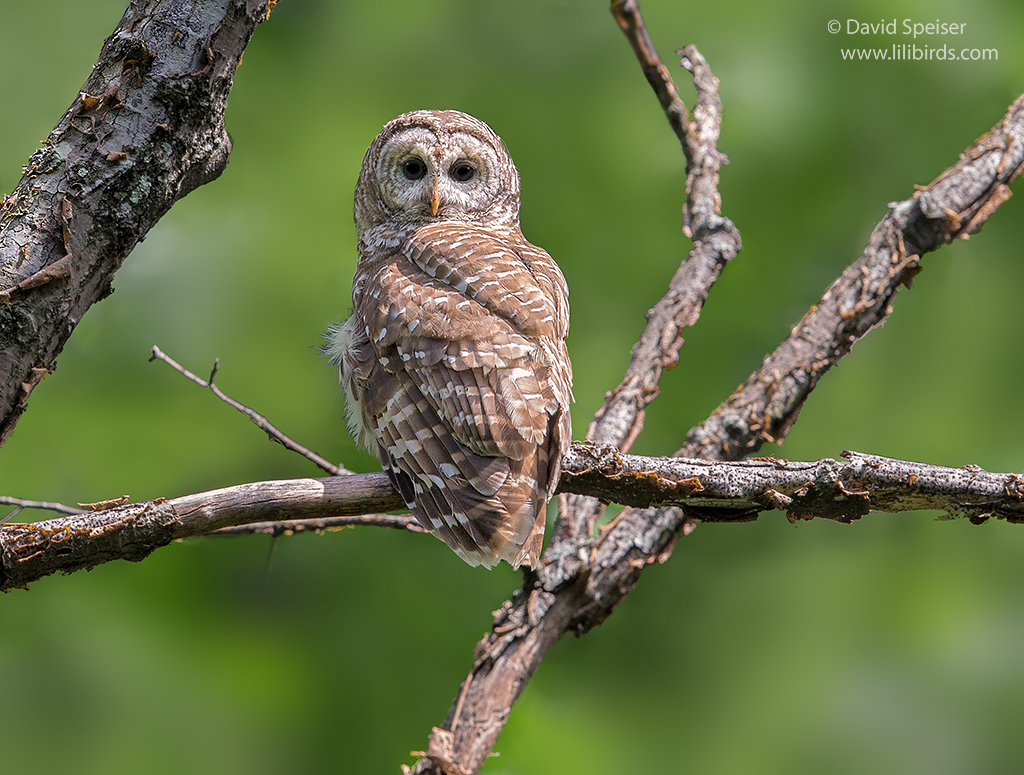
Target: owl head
437,165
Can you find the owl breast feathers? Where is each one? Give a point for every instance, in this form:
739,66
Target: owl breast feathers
454,362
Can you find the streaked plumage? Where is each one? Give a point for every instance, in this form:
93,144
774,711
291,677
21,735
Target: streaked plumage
454,362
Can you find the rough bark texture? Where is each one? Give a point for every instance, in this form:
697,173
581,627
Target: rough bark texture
146,129
716,241
132,531
842,490
582,579
956,204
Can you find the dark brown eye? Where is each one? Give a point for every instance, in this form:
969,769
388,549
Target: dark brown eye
414,169
462,171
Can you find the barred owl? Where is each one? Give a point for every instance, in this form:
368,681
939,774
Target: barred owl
453,362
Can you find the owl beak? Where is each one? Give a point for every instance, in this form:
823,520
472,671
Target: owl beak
434,203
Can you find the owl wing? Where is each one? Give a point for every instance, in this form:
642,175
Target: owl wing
467,384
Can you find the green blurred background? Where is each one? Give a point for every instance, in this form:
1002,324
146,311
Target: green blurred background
890,646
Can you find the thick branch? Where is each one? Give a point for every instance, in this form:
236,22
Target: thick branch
842,491
828,489
132,532
146,129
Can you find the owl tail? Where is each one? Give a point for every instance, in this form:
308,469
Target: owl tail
531,483
510,524
482,528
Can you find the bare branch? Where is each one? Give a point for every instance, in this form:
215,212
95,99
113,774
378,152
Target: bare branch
580,581
716,242
144,132
842,491
21,503
827,489
295,526
260,421
45,505
956,204
132,532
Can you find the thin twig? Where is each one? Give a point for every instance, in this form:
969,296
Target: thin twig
295,526
261,422
21,503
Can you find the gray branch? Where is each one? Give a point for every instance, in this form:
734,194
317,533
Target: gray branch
955,205
145,130
133,531
841,490
716,241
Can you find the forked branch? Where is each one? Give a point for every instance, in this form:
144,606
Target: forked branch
177,101
582,579
956,204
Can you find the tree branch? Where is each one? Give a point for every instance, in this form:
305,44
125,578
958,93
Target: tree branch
258,419
20,504
146,129
842,491
716,241
294,526
131,532
956,204
827,489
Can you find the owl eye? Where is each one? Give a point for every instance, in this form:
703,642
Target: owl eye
462,171
414,169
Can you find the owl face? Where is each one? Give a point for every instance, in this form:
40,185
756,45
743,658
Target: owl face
428,166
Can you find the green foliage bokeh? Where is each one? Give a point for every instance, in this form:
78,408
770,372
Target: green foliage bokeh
889,646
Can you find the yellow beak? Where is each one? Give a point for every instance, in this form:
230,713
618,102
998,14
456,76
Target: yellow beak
433,203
